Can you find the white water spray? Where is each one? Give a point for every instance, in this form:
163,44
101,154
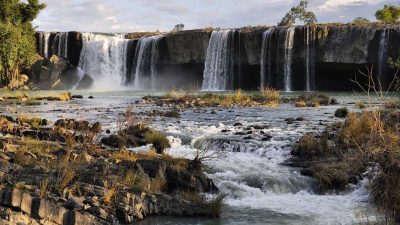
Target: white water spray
103,57
146,58
218,72
309,42
266,58
288,57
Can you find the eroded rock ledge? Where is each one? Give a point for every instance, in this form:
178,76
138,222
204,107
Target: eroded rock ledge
60,174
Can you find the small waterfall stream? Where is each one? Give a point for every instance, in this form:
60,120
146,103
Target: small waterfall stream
218,72
60,44
309,42
266,59
146,57
288,57
103,57
382,53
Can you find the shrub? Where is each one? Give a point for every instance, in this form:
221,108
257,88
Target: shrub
357,127
65,96
44,187
123,155
172,113
65,179
215,205
176,94
110,195
158,139
300,104
332,175
270,95
392,104
341,112
360,105
158,183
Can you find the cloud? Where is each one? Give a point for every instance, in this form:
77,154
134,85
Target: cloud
335,5
112,18
151,15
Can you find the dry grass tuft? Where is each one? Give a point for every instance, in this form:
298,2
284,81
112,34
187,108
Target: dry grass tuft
158,183
158,139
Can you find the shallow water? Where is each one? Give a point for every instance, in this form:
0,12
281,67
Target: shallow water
249,164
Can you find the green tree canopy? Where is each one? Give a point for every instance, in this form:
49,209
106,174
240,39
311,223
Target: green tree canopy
178,27
17,41
299,12
360,21
389,14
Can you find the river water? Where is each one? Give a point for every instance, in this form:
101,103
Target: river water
251,145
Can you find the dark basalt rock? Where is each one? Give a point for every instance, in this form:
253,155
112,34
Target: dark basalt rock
85,83
113,141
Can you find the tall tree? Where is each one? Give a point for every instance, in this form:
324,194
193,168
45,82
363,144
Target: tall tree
299,12
389,14
17,41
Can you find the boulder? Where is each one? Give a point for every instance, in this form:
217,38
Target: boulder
70,78
86,82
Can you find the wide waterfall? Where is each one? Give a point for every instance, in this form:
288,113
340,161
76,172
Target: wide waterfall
382,53
309,42
218,72
288,38
266,59
146,57
103,57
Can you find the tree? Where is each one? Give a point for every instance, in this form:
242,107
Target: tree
17,41
299,12
178,27
389,14
360,21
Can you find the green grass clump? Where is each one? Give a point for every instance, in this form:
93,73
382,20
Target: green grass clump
158,139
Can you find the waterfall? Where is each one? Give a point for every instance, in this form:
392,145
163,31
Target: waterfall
60,44
218,72
46,45
309,42
43,48
288,55
382,53
146,58
103,57
266,58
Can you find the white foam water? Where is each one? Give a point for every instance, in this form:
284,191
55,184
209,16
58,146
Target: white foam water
252,174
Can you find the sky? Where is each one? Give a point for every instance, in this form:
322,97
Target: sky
151,15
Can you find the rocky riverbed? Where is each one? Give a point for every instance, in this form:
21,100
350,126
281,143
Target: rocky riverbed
252,145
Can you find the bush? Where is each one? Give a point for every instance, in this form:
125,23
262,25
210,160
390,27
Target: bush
172,113
158,139
341,112
332,175
300,104
314,100
215,205
360,105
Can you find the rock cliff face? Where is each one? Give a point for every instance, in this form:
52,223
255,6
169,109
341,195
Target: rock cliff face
324,57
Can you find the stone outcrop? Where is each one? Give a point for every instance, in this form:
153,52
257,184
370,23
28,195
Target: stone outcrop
87,183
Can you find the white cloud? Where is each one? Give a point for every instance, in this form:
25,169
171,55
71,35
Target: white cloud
151,15
335,5
112,18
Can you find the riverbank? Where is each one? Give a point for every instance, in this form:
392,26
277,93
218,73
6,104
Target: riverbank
59,174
